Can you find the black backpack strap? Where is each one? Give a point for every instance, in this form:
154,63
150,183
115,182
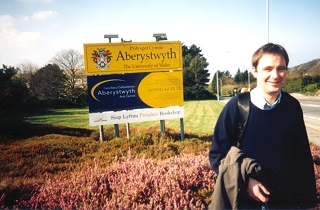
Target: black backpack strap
244,110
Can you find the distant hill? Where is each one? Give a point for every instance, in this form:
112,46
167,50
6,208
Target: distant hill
311,68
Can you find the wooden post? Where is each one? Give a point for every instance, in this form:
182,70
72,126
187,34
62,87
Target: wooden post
116,130
162,127
182,129
128,130
101,133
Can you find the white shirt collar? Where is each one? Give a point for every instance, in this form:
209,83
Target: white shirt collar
258,100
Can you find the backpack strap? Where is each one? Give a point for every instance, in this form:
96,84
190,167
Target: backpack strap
244,110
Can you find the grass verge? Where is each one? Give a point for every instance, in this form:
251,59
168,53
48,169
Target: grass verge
200,117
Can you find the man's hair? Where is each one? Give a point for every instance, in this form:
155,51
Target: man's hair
270,48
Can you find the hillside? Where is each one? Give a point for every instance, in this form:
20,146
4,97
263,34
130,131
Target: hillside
310,68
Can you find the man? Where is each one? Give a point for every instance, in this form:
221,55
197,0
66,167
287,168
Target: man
275,137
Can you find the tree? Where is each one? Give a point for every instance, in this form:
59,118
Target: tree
71,62
195,74
6,73
27,75
241,78
224,79
214,81
49,82
237,76
227,73
13,96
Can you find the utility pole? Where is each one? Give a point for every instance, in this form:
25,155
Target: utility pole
267,21
248,76
217,85
249,80
221,87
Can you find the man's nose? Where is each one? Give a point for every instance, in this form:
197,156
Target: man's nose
274,73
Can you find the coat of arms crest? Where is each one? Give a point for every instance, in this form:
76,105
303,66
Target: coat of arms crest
101,58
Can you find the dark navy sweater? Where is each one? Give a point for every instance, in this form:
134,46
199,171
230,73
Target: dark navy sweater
277,139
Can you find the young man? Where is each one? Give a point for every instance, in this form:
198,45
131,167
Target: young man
275,137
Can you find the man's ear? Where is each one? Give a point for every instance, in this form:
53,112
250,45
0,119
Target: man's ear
254,71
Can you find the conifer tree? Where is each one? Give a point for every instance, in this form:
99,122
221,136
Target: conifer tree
195,74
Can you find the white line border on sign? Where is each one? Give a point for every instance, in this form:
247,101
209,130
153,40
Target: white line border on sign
136,115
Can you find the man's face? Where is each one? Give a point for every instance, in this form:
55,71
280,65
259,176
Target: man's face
271,74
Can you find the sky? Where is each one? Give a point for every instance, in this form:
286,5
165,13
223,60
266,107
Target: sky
227,31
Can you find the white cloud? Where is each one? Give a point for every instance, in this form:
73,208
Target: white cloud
25,18
56,25
43,15
6,21
18,46
11,36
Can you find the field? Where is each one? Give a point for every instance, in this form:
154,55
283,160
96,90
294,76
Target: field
196,113
56,161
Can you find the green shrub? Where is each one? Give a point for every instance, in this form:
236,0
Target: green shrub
228,90
293,85
311,88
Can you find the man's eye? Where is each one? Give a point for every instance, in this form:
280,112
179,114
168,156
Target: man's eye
268,69
281,69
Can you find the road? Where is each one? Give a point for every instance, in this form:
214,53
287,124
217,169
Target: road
311,112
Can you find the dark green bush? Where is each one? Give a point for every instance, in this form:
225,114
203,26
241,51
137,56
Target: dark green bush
311,88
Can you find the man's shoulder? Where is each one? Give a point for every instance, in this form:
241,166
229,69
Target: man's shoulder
233,101
289,98
231,108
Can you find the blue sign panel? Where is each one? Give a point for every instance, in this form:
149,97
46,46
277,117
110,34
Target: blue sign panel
115,92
